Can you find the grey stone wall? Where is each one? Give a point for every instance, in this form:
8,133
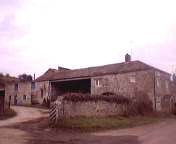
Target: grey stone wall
22,96
125,84
38,97
163,91
90,108
153,83
9,91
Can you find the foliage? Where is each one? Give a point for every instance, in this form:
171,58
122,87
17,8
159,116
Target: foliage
141,104
4,79
8,114
79,97
25,77
174,109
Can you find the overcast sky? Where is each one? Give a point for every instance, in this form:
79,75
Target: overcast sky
38,34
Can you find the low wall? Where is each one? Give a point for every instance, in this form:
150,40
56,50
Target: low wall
92,108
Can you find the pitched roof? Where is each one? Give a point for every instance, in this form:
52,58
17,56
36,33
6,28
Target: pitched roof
47,75
96,71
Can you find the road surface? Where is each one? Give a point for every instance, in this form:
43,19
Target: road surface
24,114
160,133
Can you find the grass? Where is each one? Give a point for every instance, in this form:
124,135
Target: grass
88,124
8,114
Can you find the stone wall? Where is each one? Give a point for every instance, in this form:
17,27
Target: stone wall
9,92
155,84
163,91
24,93
126,84
41,91
91,108
20,96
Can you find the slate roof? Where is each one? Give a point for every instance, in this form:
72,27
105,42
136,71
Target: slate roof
96,71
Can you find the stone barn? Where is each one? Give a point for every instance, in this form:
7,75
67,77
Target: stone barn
126,78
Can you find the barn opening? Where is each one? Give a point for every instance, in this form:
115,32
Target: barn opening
58,88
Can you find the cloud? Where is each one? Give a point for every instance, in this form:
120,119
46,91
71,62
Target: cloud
38,34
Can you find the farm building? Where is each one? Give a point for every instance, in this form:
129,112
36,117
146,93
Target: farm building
126,78
19,93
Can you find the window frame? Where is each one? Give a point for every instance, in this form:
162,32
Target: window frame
97,83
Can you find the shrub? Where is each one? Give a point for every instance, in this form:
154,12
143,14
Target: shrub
79,97
174,109
141,105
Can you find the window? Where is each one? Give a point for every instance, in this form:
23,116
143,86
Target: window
167,85
16,87
97,83
158,74
24,97
157,83
132,79
33,85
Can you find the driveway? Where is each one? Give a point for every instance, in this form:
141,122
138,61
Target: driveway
24,114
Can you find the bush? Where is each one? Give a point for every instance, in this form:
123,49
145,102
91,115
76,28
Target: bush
174,109
141,105
79,97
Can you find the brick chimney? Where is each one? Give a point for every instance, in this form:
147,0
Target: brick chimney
127,58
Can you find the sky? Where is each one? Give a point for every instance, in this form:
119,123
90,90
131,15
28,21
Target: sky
39,34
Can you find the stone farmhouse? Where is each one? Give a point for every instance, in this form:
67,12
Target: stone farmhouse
126,78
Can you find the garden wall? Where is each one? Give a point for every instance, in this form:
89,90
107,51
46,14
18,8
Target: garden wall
93,108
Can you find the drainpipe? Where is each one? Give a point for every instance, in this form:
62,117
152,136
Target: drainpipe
154,91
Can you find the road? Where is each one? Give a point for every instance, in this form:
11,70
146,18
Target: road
160,133
17,132
24,114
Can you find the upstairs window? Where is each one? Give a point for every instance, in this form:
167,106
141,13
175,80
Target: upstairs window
16,87
132,79
97,82
33,85
157,83
167,85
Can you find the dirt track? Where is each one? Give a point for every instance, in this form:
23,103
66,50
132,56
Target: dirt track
24,114
35,132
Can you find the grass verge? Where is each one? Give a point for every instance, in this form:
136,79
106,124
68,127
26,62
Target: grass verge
89,124
8,114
